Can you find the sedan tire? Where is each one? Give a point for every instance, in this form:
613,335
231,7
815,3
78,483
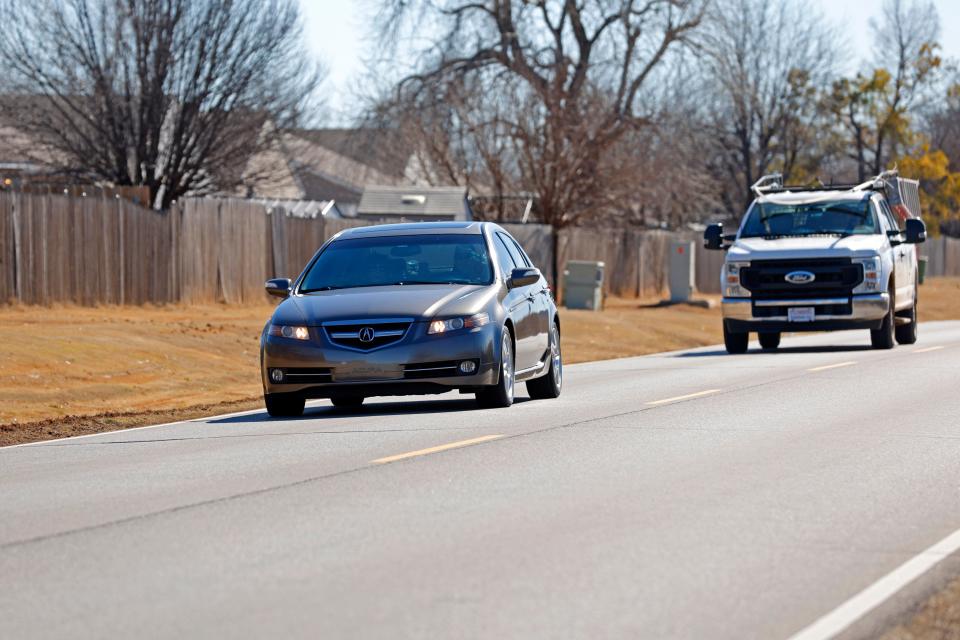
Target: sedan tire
347,402
500,396
549,385
283,405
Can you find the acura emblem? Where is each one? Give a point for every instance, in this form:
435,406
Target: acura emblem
800,277
367,334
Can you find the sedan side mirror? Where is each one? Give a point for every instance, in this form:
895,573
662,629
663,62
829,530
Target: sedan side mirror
916,231
279,287
713,237
523,277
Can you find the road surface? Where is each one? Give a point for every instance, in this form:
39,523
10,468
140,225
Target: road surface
682,495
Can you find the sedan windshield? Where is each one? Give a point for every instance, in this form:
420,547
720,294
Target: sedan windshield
400,260
844,218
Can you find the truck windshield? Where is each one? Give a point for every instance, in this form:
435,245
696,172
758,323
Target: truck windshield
400,260
844,218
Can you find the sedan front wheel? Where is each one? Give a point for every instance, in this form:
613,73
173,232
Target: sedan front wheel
501,395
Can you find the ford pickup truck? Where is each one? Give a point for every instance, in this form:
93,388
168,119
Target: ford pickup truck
822,259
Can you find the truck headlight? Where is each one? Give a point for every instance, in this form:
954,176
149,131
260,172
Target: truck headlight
286,331
730,280
872,270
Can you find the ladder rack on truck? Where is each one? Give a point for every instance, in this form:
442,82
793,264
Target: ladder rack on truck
902,194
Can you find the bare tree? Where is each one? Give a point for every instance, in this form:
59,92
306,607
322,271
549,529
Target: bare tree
170,94
561,84
764,65
876,106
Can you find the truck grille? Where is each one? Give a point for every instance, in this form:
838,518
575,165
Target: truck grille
835,277
366,335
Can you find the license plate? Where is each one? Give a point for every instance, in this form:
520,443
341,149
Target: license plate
800,314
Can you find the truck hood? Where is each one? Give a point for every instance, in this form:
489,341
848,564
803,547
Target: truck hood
858,246
420,302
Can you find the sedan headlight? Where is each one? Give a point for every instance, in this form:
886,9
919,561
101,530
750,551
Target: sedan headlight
287,331
732,288
872,269
456,324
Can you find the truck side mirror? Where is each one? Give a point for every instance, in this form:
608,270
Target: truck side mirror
713,237
916,231
279,287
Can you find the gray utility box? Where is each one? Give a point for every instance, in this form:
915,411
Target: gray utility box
682,270
583,285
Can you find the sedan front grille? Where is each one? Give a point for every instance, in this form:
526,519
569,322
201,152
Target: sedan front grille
366,335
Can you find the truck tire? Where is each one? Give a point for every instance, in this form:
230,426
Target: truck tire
883,338
907,333
736,342
769,340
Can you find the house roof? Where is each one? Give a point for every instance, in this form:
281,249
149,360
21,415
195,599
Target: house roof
415,201
316,186
381,149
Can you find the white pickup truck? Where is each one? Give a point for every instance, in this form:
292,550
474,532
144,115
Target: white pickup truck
822,259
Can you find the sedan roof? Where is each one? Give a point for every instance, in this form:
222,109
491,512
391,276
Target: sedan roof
414,228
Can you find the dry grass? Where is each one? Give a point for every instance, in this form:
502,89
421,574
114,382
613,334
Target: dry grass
72,370
636,327
936,619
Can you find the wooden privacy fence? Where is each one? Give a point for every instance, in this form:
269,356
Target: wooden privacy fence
90,251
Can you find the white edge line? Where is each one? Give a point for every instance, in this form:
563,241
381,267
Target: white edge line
146,426
877,593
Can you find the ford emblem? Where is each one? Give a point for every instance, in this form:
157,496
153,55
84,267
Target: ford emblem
800,277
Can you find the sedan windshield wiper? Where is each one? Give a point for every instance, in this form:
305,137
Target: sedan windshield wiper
403,282
326,288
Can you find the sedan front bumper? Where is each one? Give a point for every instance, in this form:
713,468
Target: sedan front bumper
417,364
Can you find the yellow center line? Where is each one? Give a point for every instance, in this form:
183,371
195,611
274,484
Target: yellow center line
437,449
686,397
928,349
849,363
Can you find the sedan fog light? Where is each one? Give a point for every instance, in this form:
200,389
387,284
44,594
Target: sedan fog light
468,366
276,375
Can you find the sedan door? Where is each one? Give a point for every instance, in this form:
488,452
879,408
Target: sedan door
542,301
519,306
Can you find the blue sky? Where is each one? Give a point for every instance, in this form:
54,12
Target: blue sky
338,33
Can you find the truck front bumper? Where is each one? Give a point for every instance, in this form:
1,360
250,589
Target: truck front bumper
868,312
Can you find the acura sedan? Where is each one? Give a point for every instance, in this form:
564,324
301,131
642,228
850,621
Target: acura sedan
408,309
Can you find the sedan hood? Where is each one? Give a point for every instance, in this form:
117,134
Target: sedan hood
408,301
856,246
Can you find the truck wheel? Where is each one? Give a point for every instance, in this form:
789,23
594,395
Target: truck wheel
283,405
769,340
907,333
735,342
883,338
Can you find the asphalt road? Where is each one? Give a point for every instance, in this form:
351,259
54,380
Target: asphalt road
683,495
